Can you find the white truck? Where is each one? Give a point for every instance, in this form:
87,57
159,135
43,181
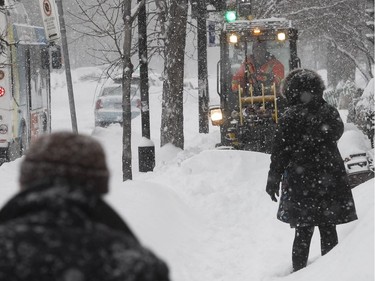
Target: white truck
25,93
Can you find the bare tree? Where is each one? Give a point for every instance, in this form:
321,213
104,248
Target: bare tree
103,22
341,26
171,24
117,26
264,8
173,20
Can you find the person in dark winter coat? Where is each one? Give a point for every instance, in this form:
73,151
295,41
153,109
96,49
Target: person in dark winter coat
59,227
305,158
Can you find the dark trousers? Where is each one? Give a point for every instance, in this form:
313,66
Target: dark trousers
302,240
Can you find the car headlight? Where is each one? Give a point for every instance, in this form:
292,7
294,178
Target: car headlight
281,36
216,115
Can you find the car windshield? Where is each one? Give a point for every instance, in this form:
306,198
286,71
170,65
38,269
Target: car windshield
117,91
112,91
280,50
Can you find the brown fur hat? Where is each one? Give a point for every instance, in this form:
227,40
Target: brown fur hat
65,157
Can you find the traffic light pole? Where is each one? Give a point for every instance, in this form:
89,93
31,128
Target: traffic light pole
202,67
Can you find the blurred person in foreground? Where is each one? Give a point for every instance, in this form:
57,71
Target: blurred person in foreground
58,227
305,158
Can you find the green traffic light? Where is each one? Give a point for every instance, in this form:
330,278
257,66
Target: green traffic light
230,16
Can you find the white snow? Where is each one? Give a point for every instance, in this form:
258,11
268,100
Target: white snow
205,211
366,101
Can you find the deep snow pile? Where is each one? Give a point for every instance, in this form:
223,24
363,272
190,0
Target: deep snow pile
205,211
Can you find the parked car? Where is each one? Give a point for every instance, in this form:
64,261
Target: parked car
108,105
357,155
359,167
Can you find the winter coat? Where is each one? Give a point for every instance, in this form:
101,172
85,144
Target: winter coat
66,233
305,157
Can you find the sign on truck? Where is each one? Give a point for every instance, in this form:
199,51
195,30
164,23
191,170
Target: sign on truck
50,19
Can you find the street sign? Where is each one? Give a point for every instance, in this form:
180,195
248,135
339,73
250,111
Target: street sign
50,19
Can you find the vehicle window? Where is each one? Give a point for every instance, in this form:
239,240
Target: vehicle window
112,91
117,91
281,50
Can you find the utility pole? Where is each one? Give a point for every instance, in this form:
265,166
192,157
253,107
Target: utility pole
203,95
146,150
68,73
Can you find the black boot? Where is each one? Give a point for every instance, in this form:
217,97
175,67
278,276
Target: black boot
301,247
328,238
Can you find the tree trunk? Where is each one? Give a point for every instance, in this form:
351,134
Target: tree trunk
203,94
172,121
126,84
143,66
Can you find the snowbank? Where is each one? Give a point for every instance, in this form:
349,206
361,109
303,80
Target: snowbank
205,211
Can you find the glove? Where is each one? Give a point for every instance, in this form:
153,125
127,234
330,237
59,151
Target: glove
272,187
273,190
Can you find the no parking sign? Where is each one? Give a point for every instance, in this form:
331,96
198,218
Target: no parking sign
50,19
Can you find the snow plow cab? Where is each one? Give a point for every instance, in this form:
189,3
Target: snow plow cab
255,56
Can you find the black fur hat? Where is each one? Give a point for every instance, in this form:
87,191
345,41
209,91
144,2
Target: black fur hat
65,157
302,86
